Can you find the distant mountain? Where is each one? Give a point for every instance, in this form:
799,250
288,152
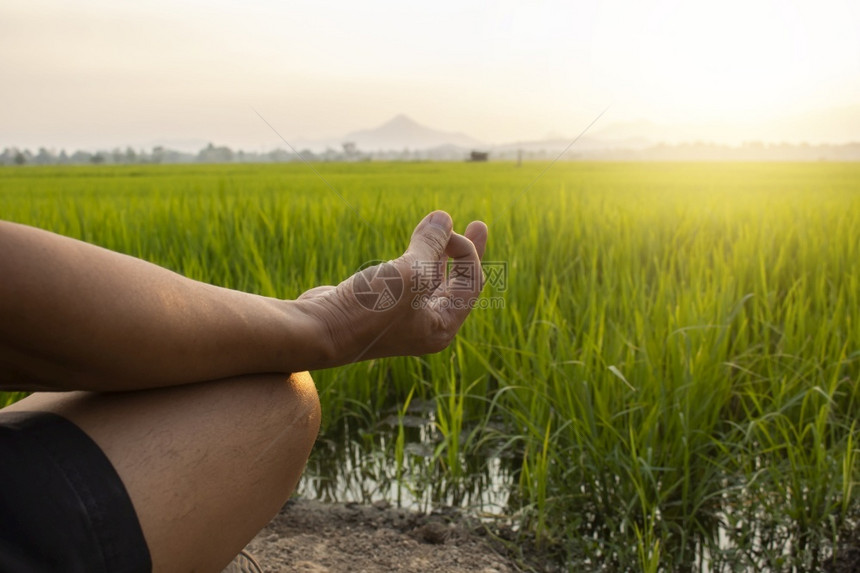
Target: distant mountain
402,132
559,144
643,133
638,134
830,126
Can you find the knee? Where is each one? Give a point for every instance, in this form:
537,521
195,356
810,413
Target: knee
307,410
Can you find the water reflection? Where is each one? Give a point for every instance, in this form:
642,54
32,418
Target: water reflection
743,529
356,461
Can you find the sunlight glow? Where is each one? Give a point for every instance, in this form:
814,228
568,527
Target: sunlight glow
105,73
735,60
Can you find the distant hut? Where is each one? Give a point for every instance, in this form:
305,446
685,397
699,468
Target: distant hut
479,156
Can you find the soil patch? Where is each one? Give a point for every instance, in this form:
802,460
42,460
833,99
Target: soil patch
316,537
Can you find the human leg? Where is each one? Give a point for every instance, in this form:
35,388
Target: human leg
206,465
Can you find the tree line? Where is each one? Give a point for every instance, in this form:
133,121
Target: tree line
217,154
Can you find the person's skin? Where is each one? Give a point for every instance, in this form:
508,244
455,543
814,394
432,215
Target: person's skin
206,466
76,316
210,432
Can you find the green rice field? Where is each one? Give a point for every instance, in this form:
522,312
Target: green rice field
665,380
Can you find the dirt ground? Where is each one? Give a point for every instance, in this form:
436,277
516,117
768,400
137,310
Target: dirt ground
314,537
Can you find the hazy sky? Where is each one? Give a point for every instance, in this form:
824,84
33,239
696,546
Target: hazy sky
100,74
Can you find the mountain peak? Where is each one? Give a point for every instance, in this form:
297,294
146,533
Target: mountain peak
401,131
401,118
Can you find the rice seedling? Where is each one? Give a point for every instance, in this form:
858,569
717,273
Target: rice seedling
672,382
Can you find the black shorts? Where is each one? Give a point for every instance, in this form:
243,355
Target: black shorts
63,507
